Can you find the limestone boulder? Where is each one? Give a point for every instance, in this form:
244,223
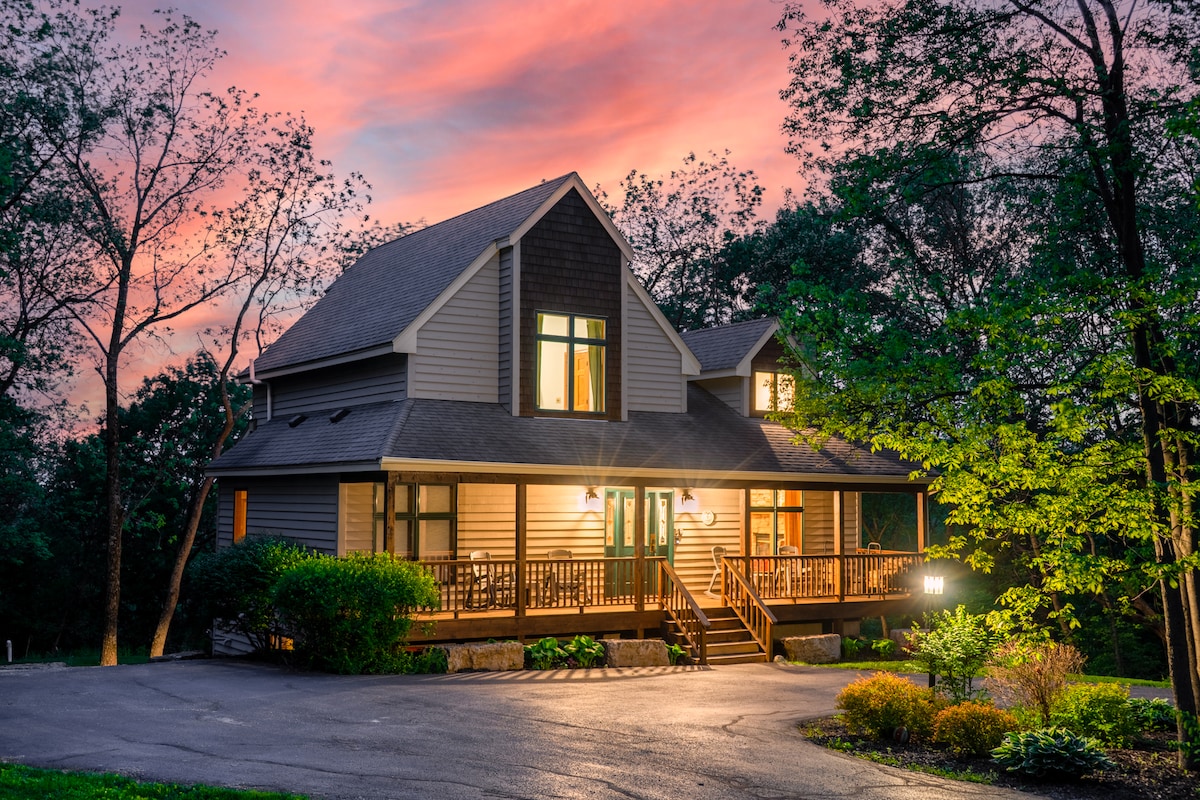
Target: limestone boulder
822,649
635,653
484,657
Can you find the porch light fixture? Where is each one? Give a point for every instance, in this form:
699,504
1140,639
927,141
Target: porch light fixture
591,500
934,584
685,501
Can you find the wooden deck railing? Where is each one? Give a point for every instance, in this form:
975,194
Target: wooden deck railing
749,606
474,586
684,611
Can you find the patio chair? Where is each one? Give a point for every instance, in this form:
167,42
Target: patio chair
566,580
487,588
785,573
718,552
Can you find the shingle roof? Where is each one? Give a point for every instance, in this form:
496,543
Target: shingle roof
724,347
710,438
386,289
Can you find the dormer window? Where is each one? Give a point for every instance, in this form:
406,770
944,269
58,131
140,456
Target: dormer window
773,391
570,363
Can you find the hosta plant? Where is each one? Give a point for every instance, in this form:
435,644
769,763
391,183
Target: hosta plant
1050,754
584,651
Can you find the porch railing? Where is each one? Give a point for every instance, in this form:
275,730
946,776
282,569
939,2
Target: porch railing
749,606
684,611
474,586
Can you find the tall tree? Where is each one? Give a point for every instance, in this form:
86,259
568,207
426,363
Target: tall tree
1066,102
144,180
679,225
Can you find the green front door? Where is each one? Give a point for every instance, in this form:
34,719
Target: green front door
620,533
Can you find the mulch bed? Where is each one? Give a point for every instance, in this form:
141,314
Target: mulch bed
1146,771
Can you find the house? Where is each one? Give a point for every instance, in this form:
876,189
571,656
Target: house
498,397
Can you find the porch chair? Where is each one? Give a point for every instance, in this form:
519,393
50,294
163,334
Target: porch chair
718,552
487,588
785,574
564,579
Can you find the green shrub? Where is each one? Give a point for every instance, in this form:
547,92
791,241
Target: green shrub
972,729
237,584
1153,715
884,648
1050,754
430,661
955,648
883,703
1033,675
851,646
352,615
545,654
584,651
1101,711
676,653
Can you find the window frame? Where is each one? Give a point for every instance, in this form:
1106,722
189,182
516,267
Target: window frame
571,340
412,516
775,376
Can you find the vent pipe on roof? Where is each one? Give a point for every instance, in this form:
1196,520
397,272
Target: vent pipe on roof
253,381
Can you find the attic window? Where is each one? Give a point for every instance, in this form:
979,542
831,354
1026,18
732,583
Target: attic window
570,363
773,391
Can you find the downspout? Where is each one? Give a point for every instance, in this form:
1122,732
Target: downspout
253,381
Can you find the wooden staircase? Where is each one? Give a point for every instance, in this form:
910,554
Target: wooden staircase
729,642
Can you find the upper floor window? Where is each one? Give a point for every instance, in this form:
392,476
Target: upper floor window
773,391
570,363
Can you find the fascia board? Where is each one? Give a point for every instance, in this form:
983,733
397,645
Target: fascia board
573,181
691,365
744,368
406,342
308,366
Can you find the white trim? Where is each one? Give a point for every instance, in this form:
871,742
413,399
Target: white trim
689,363
515,377
573,181
307,366
624,304
406,341
744,368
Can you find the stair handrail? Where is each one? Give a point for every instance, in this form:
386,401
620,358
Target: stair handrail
679,604
748,606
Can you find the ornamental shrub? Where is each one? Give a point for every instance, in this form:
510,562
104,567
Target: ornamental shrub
1101,711
353,615
584,651
1050,754
1032,675
1153,715
236,585
972,729
883,703
955,648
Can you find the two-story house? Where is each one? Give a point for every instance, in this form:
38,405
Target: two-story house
498,397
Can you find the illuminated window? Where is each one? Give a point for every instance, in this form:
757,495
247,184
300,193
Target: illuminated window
239,515
773,391
570,363
426,524
776,519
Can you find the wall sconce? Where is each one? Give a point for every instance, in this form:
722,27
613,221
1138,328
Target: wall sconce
590,501
685,501
934,584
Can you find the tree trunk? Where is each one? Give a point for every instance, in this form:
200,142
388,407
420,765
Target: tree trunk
115,512
195,511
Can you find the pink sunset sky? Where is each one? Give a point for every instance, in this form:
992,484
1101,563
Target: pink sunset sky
444,105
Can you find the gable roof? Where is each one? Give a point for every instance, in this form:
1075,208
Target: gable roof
710,442
380,296
729,348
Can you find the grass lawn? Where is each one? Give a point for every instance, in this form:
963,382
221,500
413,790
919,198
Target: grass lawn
909,668
18,782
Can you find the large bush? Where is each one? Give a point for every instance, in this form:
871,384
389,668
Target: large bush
1101,711
1032,675
955,648
353,615
972,729
884,703
236,585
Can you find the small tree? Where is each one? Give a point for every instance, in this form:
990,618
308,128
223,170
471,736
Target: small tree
955,648
1032,675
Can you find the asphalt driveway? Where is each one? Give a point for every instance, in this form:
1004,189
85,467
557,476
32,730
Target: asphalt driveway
670,733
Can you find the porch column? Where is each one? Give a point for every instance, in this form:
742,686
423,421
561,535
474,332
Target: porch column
522,534
746,536
639,550
389,513
922,521
839,543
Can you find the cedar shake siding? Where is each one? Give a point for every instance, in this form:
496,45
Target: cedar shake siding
570,264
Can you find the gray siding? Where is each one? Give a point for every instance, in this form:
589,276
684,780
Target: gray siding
655,380
371,381
505,374
456,348
730,391
300,507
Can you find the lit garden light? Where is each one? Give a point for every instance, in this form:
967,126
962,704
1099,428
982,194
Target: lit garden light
935,586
